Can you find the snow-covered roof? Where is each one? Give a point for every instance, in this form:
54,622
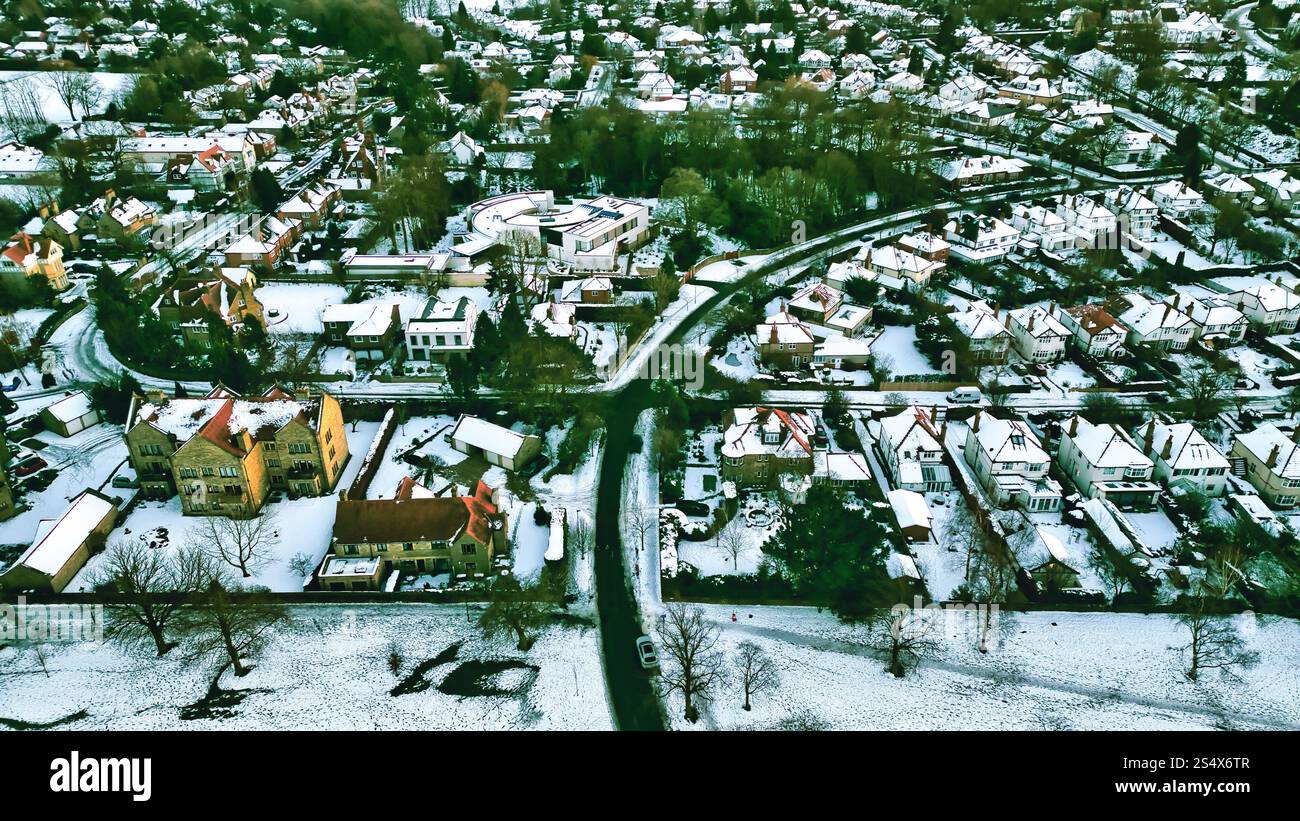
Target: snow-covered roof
52,551
71,407
487,436
909,508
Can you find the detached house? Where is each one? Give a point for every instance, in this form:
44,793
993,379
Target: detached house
893,263
1270,308
822,305
980,239
27,257
370,329
1104,462
415,533
1176,199
1010,464
1272,464
192,303
442,329
1038,336
1182,456
783,341
761,444
910,445
1158,325
1094,330
987,339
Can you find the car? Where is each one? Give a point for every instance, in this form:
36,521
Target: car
645,650
39,482
29,466
965,396
692,507
125,482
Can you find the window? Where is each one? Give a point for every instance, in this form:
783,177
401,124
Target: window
151,450
468,549
408,546
209,472
189,473
229,472
350,549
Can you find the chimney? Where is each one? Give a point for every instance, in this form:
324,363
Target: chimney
1168,449
1030,326
1006,323
1074,425
1272,456
975,421
996,308
943,432
1295,435
1150,436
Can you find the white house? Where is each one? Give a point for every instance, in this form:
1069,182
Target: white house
1010,463
441,330
1104,462
1094,330
1176,199
1037,335
1157,324
1182,456
910,445
980,239
1269,308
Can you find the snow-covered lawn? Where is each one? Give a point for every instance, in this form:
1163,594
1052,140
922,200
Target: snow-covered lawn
898,343
328,670
293,308
1046,670
740,361
753,525
392,470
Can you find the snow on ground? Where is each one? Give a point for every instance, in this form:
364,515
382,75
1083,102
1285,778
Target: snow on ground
740,361
755,523
944,571
327,669
302,525
1155,529
338,360
86,460
528,542
1045,670
899,344
392,470
294,308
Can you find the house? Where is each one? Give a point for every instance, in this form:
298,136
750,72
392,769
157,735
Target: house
824,306
913,270
556,318
62,227
985,170
63,545
592,290
762,444
1094,330
1217,322
1095,225
119,218
370,329
965,88
588,235
1055,572
191,303
1032,91
910,446
1039,224
1037,335
925,245
70,415
1104,462
1138,215
1183,457
27,257
1269,308
912,514
1157,325
416,533
441,330
988,341
1277,188
225,453
311,206
1176,199
784,341
265,245
1272,464
1197,28
497,445
980,239
1232,187
739,79
837,351
656,86
1010,464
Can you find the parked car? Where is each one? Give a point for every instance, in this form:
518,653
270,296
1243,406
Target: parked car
39,482
645,650
125,482
29,465
965,396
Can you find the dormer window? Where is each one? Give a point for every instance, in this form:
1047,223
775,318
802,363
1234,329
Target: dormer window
1018,440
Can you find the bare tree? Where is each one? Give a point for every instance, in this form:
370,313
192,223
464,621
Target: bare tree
1204,392
1111,574
244,544
755,671
580,534
522,256
513,608
690,643
231,623
640,520
21,110
904,635
965,536
1215,643
731,538
148,580
75,88
992,579
294,363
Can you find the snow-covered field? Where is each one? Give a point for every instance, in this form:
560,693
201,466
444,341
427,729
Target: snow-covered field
1049,671
328,669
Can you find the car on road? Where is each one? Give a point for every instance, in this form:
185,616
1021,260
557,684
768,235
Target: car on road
29,466
645,650
965,396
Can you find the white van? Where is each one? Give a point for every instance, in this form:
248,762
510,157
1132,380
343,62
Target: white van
965,396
